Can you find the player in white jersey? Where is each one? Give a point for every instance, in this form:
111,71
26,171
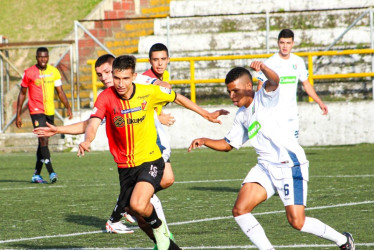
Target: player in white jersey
291,69
282,165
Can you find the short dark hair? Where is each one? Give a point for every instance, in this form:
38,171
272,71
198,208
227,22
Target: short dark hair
236,73
104,59
41,49
286,33
124,62
158,47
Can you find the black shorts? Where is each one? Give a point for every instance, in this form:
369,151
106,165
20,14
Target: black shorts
149,172
39,120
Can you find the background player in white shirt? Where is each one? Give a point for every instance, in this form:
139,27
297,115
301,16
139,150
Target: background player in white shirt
282,165
291,69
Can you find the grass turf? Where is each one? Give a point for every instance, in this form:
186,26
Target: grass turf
72,212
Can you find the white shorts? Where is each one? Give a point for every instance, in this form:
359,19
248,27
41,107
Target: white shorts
162,140
291,183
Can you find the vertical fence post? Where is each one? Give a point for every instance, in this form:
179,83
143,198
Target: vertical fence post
94,81
310,70
77,64
72,77
1,91
267,31
193,87
372,47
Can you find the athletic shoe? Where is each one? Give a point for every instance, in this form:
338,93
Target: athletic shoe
162,236
117,228
53,177
350,245
171,236
37,179
129,218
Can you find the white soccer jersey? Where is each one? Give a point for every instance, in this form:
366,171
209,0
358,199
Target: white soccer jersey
290,71
262,125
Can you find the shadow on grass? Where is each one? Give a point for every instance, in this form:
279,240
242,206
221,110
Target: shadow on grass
34,246
216,189
87,220
21,181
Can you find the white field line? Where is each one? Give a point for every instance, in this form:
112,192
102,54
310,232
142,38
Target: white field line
197,221
177,182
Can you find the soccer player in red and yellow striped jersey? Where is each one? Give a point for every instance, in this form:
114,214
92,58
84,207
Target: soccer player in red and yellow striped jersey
129,112
41,79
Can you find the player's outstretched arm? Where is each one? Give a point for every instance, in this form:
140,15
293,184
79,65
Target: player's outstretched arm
187,103
89,136
273,78
72,129
219,145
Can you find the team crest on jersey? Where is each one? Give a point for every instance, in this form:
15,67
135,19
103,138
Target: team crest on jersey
294,66
118,121
144,104
38,82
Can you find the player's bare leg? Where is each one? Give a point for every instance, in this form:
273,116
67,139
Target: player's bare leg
168,177
140,203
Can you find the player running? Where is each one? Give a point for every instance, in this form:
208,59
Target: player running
282,165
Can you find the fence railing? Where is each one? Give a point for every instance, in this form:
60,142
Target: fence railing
192,81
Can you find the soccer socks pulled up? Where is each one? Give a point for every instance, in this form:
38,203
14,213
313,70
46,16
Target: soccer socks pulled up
46,158
320,229
117,213
39,161
158,208
153,220
254,231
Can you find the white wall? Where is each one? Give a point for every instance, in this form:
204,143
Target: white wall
346,123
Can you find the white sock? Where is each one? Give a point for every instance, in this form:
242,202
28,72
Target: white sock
316,227
254,231
158,208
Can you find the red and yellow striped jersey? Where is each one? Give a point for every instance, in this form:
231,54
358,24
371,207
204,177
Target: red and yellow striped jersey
41,85
130,125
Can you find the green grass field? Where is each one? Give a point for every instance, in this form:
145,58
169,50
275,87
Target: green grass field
72,212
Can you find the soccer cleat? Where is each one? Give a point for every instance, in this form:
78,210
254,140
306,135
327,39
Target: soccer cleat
171,236
37,179
129,218
117,228
53,177
350,245
162,237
